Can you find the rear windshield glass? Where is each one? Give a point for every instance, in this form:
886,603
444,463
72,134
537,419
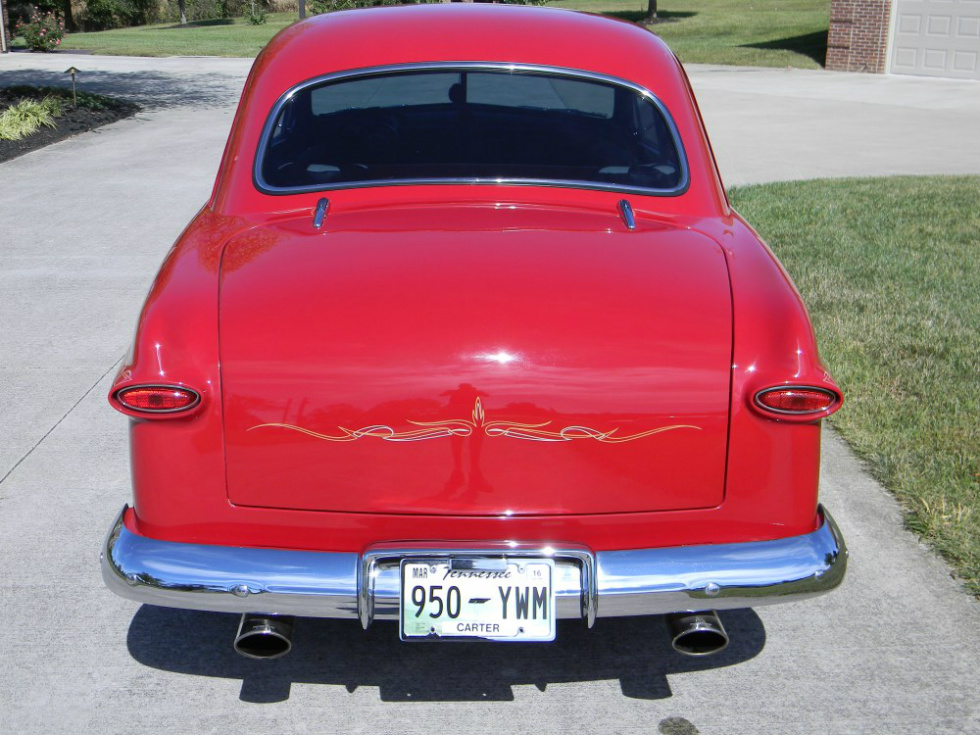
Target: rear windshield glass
469,125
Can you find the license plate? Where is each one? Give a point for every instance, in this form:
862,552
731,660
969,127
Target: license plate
495,599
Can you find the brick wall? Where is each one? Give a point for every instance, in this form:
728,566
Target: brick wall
858,39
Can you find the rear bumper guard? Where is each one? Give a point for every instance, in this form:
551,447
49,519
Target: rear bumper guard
366,586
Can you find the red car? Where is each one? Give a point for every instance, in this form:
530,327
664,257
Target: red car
469,337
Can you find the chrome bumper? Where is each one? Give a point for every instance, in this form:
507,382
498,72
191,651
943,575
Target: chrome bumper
366,586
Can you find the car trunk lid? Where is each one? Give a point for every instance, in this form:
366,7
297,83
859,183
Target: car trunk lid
475,362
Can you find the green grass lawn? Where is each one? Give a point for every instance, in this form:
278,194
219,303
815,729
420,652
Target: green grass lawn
890,270
777,33
229,37
745,32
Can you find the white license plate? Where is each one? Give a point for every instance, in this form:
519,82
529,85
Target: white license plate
496,599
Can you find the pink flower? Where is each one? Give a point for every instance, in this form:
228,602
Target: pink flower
57,42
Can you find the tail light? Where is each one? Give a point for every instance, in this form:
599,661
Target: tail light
797,401
157,399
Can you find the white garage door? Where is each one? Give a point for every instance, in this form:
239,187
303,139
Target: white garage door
938,38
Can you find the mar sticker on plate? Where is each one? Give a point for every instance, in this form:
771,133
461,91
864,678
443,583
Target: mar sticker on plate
495,599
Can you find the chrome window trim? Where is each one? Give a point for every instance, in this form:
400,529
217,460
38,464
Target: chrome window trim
450,66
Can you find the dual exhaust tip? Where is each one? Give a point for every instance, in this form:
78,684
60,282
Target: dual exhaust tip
271,636
697,633
264,636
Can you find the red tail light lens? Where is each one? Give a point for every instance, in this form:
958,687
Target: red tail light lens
158,398
797,400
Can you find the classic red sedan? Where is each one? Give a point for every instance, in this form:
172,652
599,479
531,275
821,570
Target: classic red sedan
469,337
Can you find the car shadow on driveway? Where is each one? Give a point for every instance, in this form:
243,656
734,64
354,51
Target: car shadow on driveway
634,650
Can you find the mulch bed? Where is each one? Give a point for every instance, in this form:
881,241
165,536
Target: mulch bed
72,122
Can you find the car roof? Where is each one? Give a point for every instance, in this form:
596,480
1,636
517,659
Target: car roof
466,32
531,36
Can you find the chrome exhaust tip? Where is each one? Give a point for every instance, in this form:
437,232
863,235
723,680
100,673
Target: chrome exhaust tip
697,634
264,636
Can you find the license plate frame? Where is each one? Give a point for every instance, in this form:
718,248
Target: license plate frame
511,599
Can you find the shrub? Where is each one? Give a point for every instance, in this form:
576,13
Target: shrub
61,98
42,32
254,12
141,12
20,11
198,10
315,7
101,15
26,116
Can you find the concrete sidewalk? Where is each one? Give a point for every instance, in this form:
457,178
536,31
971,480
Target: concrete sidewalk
788,124
83,225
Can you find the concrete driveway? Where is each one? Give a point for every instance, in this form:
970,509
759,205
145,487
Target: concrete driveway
83,225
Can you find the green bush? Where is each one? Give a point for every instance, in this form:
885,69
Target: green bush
61,97
254,12
26,116
316,7
101,15
41,32
20,11
198,10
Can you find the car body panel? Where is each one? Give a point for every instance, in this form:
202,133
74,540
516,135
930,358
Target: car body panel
411,367
188,501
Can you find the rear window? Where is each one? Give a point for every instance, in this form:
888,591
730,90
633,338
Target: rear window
472,125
